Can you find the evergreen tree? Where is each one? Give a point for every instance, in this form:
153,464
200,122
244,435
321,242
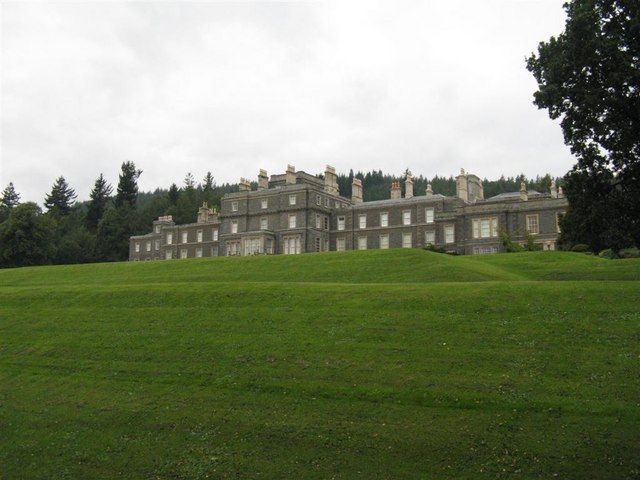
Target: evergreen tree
25,237
173,194
189,181
127,191
98,203
61,198
10,198
208,183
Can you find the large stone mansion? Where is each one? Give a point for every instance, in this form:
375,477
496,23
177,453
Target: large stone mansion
296,212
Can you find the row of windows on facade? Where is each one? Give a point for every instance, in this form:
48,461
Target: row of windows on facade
293,200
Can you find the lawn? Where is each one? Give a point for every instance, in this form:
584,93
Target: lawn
377,364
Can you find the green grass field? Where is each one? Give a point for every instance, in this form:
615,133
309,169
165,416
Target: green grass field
378,364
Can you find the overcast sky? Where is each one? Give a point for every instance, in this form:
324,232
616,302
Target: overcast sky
233,87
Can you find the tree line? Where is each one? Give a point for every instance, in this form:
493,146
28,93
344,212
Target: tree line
98,230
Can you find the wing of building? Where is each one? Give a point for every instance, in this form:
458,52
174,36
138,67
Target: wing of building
296,212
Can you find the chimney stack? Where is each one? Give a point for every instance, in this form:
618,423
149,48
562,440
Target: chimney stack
244,185
331,181
554,190
560,192
396,191
290,175
408,186
356,190
429,190
462,187
263,180
524,196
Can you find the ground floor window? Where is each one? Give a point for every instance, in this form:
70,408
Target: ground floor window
406,240
449,234
485,250
430,237
341,245
233,248
184,253
199,252
168,255
252,246
291,245
532,224
384,241
362,243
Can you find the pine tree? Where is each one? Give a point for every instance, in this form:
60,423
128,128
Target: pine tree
189,181
174,194
208,183
98,204
10,198
127,192
61,198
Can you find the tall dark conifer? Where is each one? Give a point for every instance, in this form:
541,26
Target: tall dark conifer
10,198
98,204
127,192
61,198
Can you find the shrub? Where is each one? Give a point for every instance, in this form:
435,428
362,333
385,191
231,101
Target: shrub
629,253
580,247
607,253
509,245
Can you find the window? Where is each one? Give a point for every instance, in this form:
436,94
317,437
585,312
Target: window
318,221
384,241
532,224
428,215
384,219
264,203
184,237
341,244
362,221
199,236
233,248
215,235
252,246
406,240
264,223
157,228
168,255
326,203
148,246
234,206
292,199
137,247
406,217
184,253
449,234
199,252
429,237
169,238
157,245
317,244
292,221
291,245
326,223
234,226
362,243
318,200
558,218
340,223
485,227
485,250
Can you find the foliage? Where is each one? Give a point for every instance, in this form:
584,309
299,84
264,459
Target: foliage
10,197
127,192
589,77
98,203
114,230
389,364
25,237
61,198
509,245
580,247
629,253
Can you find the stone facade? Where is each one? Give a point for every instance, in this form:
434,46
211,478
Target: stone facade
296,212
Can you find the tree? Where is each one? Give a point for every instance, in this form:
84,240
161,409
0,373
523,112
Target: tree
98,204
10,198
189,181
25,237
208,183
61,198
127,191
114,230
173,194
589,78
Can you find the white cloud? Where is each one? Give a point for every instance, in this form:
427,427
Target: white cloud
234,87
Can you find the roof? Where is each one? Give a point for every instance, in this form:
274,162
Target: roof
398,201
508,195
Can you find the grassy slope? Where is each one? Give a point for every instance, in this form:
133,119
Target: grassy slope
397,364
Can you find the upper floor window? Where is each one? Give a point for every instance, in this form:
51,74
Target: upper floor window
532,224
199,236
326,223
485,227
318,221
362,221
234,206
137,247
318,200
384,219
449,234
215,235
326,202
264,223
292,199
362,243
169,238
406,217
264,203
428,215
292,221
406,240
157,228
148,246
340,223
384,241
184,237
558,218
234,226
